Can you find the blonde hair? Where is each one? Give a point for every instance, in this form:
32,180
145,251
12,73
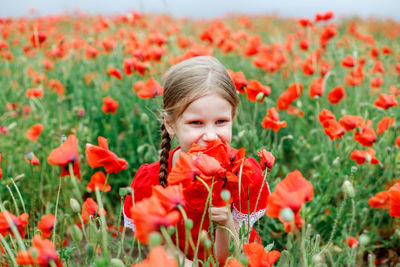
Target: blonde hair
186,82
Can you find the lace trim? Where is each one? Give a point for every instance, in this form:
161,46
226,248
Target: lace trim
244,218
128,222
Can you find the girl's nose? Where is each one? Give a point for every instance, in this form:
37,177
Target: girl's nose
210,134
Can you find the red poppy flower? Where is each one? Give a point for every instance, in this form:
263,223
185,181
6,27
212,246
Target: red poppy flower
134,64
90,208
234,263
267,160
303,44
109,105
46,225
169,197
295,111
115,73
34,93
348,62
397,142
287,97
258,257
333,129
385,101
149,216
40,254
98,179
349,122
336,95
380,200
157,258
91,52
361,156
34,132
254,88
20,222
291,193
66,154
271,121
386,49
316,88
309,67
208,166
38,38
184,171
253,46
384,124
366,138
352,242
304,22
325,115
100,155
57,86
394,91
150,89
377,82
394,206
378,67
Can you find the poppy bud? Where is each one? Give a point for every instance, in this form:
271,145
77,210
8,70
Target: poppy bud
123,191
155,239
260,96
225,195
145,118
287,214
348,189
75,206
353,169
92,231
89,250
336,161
76,233
364,239
29,155
117,263
207,243
317,259
244,260
171,230
189,224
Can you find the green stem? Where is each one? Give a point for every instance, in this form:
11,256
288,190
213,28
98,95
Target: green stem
19,195
55,213
76,187
103,225
262,187
8,250
339,214
14,201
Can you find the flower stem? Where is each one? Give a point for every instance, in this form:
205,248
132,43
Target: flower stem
55,213
103,226
19,195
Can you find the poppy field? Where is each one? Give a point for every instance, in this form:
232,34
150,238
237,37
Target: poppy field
79,114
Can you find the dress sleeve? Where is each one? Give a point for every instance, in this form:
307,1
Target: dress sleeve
141,186
251,207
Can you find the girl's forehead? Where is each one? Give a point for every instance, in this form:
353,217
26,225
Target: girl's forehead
212,104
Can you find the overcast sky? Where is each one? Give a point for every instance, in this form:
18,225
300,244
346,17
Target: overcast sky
208,8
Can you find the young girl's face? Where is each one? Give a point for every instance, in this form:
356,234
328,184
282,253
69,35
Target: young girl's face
206,119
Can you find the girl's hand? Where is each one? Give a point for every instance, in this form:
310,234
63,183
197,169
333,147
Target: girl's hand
221,215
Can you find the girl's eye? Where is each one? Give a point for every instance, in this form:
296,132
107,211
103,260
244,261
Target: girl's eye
221,121
195,122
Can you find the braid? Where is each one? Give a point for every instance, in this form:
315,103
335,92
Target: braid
165,148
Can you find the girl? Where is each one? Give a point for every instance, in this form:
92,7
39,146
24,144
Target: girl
200,104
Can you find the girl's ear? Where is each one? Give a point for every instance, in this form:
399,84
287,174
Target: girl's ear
169,127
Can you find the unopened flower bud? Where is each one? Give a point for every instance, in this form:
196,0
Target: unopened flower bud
353,169
92,231
348,188
117,263
244,260
89,250
155,239
63,138
368,158
29,155
203,235
75,206
287,214
123,191
260,96
317,258
76,233
225,195
207,243
364,239
189,224
145,118
171,230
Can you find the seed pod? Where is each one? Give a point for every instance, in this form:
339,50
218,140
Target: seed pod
75,206
287,214
348,189
117,263
76,233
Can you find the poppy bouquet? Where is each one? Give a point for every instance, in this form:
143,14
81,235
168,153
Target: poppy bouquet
215,167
